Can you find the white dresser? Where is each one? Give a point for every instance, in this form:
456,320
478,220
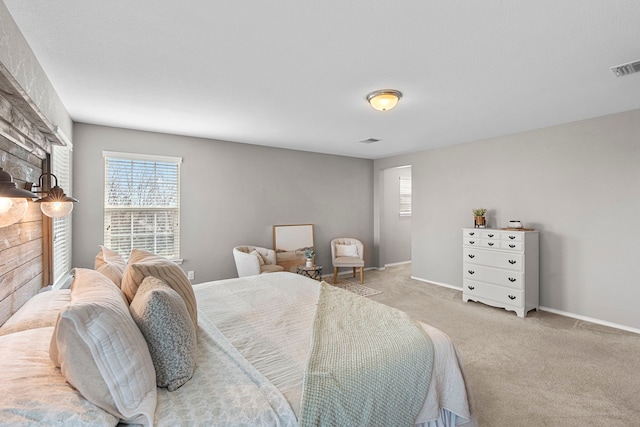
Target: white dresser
500,268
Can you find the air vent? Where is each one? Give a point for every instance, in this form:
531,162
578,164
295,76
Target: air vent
624,69
369,140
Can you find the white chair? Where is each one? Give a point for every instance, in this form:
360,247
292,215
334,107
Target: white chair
347,252
253,260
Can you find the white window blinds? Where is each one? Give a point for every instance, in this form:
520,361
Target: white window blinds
61,227
142,203
405,196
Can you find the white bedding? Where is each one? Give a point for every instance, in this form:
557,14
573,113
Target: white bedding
268,319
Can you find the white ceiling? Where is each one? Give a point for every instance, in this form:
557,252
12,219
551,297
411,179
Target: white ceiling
294,74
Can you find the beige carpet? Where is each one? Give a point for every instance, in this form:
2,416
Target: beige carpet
543,370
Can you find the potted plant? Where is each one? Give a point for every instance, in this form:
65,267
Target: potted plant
479,219
309,253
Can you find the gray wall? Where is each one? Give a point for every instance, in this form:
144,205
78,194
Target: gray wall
395,242
231,194
578,183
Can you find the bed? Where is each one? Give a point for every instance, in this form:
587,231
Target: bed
250,341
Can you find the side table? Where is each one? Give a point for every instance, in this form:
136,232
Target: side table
314,272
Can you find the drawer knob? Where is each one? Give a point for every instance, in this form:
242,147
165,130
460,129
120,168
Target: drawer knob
491,235
472,256
512,237
512,261
471,287
470,271
490,243
472,233
512,297
512,246
471,242
511,279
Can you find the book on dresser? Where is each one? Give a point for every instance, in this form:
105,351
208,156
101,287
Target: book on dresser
500,268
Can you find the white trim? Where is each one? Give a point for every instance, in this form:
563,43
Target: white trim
551,310
138,156
396,263
63,137
446,285
590,319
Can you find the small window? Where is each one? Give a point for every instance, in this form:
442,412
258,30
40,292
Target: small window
405,196
142,203
61,227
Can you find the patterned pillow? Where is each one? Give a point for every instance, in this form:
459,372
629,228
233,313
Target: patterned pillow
143,264
102,353
163,319
111,264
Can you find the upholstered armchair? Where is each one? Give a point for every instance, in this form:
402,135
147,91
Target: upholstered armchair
347,252
253,260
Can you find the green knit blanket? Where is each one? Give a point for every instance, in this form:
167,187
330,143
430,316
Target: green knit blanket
369,365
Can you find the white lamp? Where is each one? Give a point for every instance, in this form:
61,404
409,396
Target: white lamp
13,200
385,99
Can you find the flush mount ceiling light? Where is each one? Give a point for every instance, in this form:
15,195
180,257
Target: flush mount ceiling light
385,99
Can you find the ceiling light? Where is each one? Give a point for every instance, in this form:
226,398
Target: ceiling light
13,200
385,99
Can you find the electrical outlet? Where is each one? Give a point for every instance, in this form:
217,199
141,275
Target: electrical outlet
191,275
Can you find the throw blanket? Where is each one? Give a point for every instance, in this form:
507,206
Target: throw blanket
369,365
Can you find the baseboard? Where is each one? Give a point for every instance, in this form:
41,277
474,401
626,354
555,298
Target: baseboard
550,310
396,263
446,285
590,319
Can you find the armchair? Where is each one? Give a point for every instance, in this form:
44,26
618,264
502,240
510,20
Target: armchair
253,260
347,252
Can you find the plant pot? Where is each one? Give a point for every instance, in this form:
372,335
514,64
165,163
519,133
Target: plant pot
479,222
309,262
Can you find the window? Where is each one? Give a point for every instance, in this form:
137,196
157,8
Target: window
405,196
61,227
142,203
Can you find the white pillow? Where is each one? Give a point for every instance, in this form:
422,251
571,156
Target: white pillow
256,253
143,264
34,392
102,353
111,264
164,321
347,250
38,312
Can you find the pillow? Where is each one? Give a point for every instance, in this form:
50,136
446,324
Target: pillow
163,319
143,264
347,250
256,253
102,353
38,312
111,264
34,392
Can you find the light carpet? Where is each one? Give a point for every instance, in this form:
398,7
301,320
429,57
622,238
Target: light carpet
543,370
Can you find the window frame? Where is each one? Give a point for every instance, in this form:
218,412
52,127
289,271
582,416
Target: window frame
139,165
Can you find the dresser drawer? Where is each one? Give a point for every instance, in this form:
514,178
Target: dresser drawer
512,246
505,296
511,279
490,235
469,241
511,236
471,233
491,244
511,261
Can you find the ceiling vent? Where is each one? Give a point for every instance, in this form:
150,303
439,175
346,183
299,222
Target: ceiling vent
368,140
624,69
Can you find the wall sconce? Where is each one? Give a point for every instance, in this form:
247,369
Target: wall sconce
13,200
55,204
385,99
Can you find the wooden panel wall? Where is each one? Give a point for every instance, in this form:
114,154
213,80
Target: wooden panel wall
21,262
